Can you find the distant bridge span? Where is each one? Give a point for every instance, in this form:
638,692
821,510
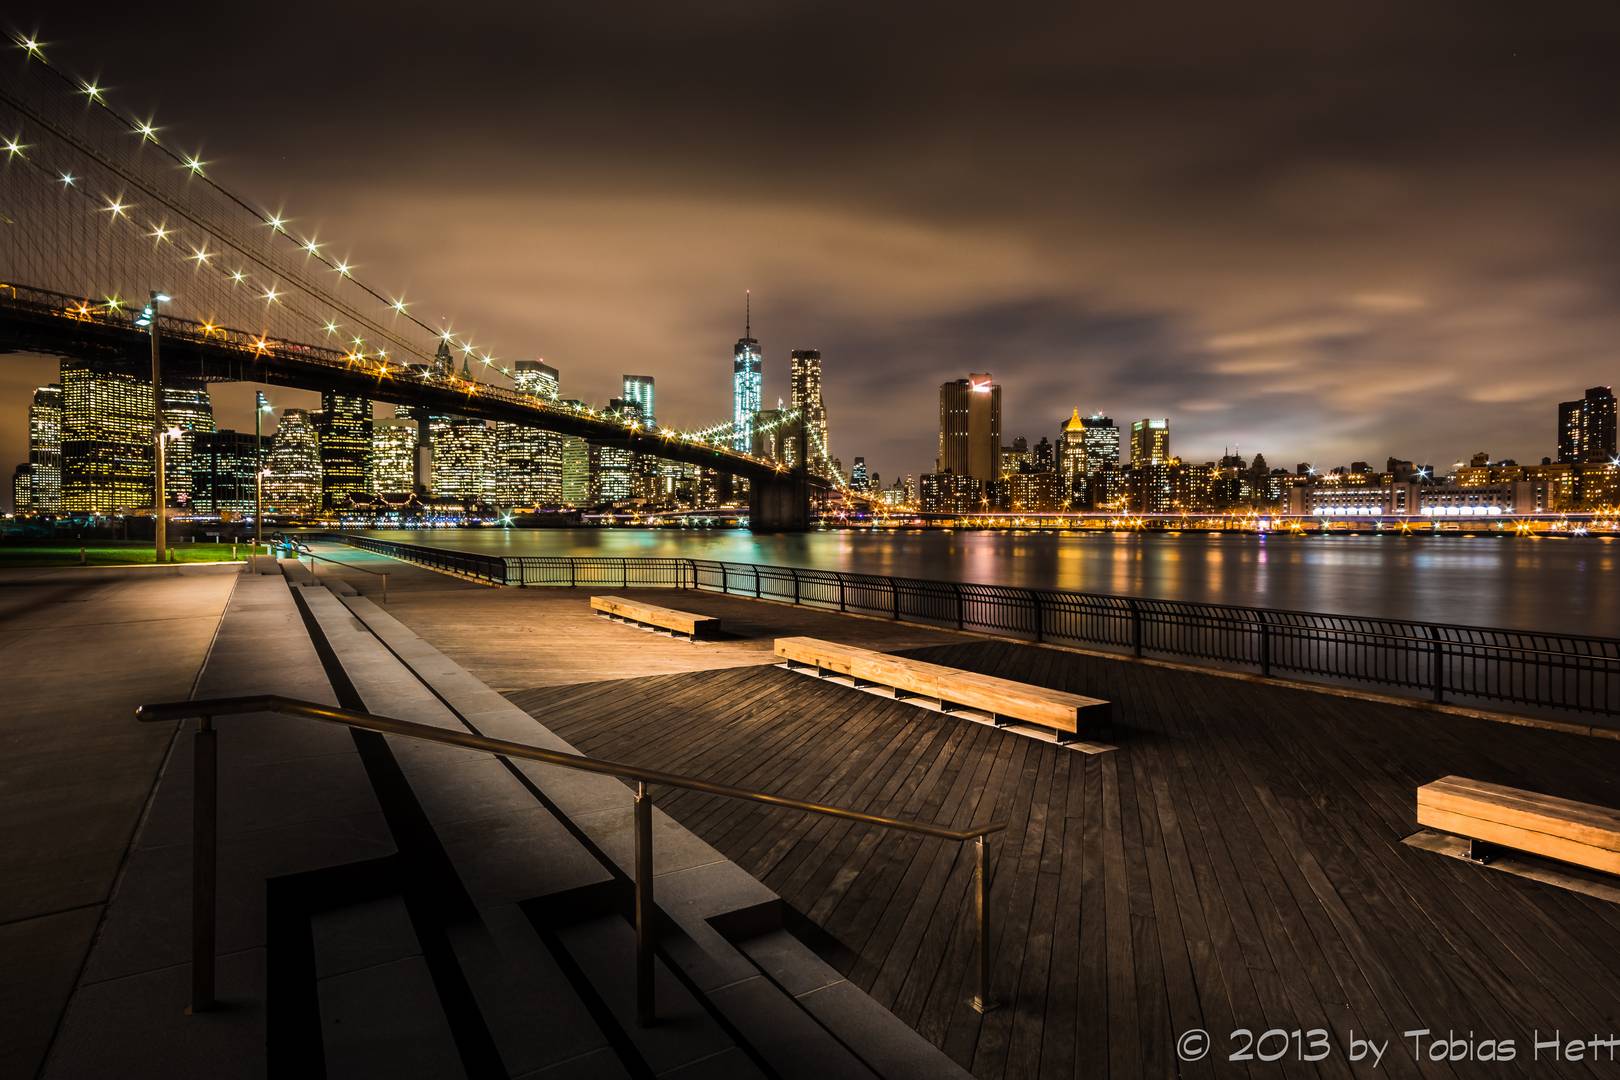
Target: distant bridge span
41,321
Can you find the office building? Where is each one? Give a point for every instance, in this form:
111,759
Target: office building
639,390
858,480
576,471
1100,442
1195,488
45,450
106,436
346,427
528,460
747,385
223,464
970,428
22,494
805,398
1071,459
952,493
462,451
187,412
1015,457
1032,492
612,470
1150,442
393,457
292,482
1586,427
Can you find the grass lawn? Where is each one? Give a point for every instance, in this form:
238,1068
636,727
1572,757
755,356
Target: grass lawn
112,553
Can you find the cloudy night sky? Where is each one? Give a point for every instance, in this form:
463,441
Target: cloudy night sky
1321,231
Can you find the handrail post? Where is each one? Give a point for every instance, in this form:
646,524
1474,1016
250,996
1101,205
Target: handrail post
1040,615
795,585
982,1001
624,567
1437,665
894,599
841,592
644,907
1136,626
1265,644
757,592
573,574
961,614
204,861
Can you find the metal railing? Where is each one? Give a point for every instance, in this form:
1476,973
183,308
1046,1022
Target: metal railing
1561,672
301,552
205,831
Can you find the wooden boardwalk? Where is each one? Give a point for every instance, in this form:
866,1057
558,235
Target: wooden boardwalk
1235,863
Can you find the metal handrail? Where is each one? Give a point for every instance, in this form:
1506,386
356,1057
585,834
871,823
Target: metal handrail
205,779
299,553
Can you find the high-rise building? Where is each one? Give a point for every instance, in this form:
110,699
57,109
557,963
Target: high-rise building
576,471
951,493
461,459
292,482
858,480
45,450
747,384
639,391
346,427
1100,440
187,412
106,435
805,398
1015,457
1586,428
223,463
970,428
1150,442
393,456
529,459
612,473
22,493
1071,458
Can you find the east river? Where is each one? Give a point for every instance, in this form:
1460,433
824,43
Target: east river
1570,585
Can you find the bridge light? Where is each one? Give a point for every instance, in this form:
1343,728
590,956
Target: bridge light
68,179
160,232
312,247
117,208
14,146
271,295
400,305
146,130
276,222
201,255
342,268
195,164
237,277
331,328
31,46
161,297
93,92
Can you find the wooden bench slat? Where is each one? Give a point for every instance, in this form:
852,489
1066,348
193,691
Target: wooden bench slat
1537,843
952,686
1583,823
668,618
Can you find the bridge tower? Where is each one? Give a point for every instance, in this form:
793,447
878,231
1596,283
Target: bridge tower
781,503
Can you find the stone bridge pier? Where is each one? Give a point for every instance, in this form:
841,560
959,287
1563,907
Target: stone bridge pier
780,503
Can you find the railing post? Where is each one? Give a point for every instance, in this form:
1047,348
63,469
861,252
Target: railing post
1265,644
961,615
1437,665
894,599
757,593
841,592
573,574
1136,626
385,587
795,585
982,1001
1040,615
644,907
624,566
204,858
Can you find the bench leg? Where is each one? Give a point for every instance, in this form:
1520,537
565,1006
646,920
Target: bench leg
1064,738
1482,852
899,694
945,707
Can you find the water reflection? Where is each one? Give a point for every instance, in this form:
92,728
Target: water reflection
1564,585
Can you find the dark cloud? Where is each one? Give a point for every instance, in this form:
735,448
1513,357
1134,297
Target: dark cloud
1325,231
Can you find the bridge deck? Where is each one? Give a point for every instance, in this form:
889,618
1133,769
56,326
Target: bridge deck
1235,863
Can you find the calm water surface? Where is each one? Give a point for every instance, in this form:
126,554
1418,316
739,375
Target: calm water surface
1569,585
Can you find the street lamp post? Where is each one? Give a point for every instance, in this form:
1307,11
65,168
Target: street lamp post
149,319
260,407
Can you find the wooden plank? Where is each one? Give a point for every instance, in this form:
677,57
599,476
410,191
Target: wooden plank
1537,843
1584,823
684,622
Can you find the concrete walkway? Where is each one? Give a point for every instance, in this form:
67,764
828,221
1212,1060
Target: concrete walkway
83,648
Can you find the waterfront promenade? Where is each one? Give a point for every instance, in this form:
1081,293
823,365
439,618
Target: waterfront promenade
83,648
1236,862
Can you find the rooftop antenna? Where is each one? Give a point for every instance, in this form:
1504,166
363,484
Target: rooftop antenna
748,313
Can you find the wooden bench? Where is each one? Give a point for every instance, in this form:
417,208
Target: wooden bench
1002,699
1492,817
677,622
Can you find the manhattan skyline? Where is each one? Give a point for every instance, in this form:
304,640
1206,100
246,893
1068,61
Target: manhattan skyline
1303,240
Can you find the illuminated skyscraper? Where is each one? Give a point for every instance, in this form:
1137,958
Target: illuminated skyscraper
45,450
222,467
393,456
528,460
747,384
1586,427
461,460
858,480
576,471
1150,442
292,483
345,431
22,483
1071,458
187,412
106,436
806,400
970,428
639,391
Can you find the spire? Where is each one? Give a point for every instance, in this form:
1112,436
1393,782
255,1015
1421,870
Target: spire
748,313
